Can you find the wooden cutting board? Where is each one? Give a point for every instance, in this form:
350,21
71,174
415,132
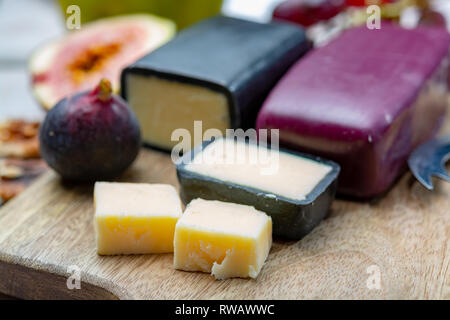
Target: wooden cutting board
397,247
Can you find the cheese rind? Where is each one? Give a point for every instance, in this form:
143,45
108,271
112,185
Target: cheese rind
282,173
295,189
365,100
226,239
134,218
229,62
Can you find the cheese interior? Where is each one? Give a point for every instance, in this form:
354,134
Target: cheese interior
133,218
226,239
163,106
242,163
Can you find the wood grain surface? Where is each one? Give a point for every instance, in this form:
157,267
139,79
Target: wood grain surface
404,236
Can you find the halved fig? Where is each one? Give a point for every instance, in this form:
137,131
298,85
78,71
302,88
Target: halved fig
100,49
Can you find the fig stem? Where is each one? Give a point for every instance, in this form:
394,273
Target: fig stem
104,90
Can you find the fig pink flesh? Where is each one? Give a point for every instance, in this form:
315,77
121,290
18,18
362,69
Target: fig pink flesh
81,62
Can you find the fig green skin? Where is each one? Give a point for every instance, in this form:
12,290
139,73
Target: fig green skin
86,139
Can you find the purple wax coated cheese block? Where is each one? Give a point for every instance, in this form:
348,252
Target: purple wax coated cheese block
365,100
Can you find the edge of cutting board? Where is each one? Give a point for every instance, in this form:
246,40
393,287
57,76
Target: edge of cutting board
49,227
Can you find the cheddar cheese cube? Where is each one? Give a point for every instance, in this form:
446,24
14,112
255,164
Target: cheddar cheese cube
135,218
222,238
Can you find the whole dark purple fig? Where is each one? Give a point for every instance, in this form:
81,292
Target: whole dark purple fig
90,136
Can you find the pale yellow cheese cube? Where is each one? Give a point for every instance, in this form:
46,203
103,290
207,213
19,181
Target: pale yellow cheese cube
135,218
225,239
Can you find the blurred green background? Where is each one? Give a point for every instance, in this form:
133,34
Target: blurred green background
182,12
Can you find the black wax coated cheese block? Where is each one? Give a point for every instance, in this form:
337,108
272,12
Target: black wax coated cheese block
241,59
292,219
